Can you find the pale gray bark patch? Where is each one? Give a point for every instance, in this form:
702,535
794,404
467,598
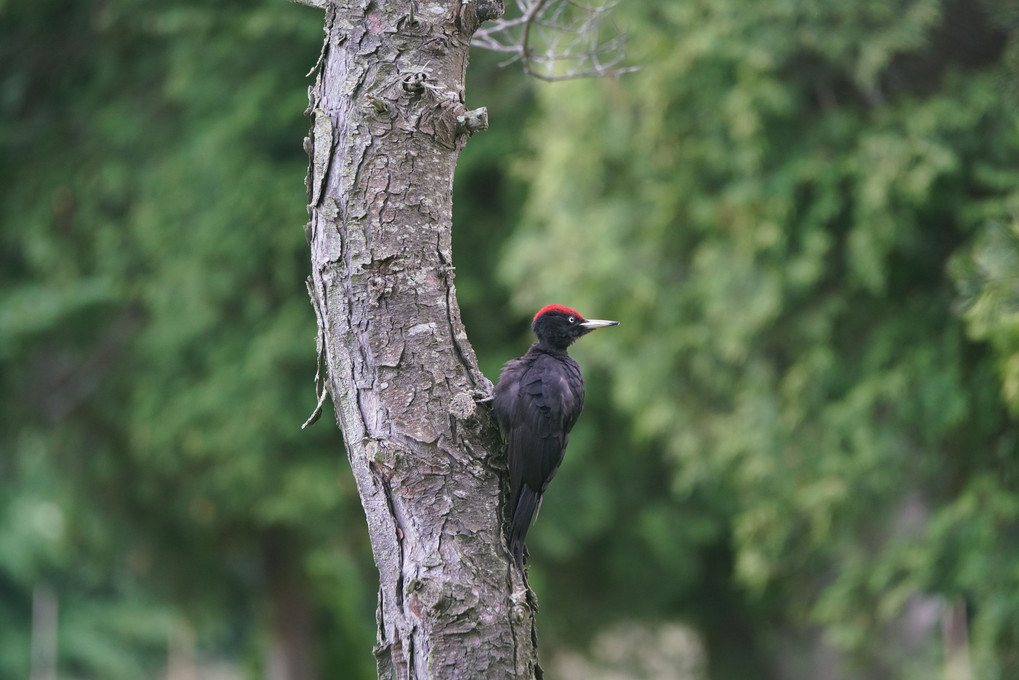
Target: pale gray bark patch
388,124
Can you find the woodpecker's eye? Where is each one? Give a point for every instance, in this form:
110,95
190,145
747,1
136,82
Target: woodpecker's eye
573,319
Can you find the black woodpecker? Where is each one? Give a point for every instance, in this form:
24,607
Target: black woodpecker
537,402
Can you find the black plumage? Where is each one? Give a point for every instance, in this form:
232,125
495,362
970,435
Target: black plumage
537,402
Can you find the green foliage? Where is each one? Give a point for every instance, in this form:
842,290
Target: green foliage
769,206
987,275
803,212
153,324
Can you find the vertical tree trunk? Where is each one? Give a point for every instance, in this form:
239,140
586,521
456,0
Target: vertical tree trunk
389,122
291,650
955,641
44,633
181,661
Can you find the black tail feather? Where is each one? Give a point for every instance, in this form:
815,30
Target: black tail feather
527,503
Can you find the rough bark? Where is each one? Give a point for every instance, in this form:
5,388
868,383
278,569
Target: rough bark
389,122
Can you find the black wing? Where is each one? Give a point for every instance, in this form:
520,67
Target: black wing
538,400
546,408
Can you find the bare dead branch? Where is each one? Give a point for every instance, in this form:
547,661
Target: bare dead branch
559,39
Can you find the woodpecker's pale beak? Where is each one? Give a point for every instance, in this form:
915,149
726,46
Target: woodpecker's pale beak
598,323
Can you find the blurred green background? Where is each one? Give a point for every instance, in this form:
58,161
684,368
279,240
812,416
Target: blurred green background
799,457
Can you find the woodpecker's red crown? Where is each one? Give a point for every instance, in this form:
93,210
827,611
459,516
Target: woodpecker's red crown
557,308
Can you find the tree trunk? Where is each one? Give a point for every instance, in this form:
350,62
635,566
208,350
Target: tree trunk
291,649
389,122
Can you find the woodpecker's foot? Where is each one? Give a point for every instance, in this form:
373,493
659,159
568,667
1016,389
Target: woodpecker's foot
532,601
